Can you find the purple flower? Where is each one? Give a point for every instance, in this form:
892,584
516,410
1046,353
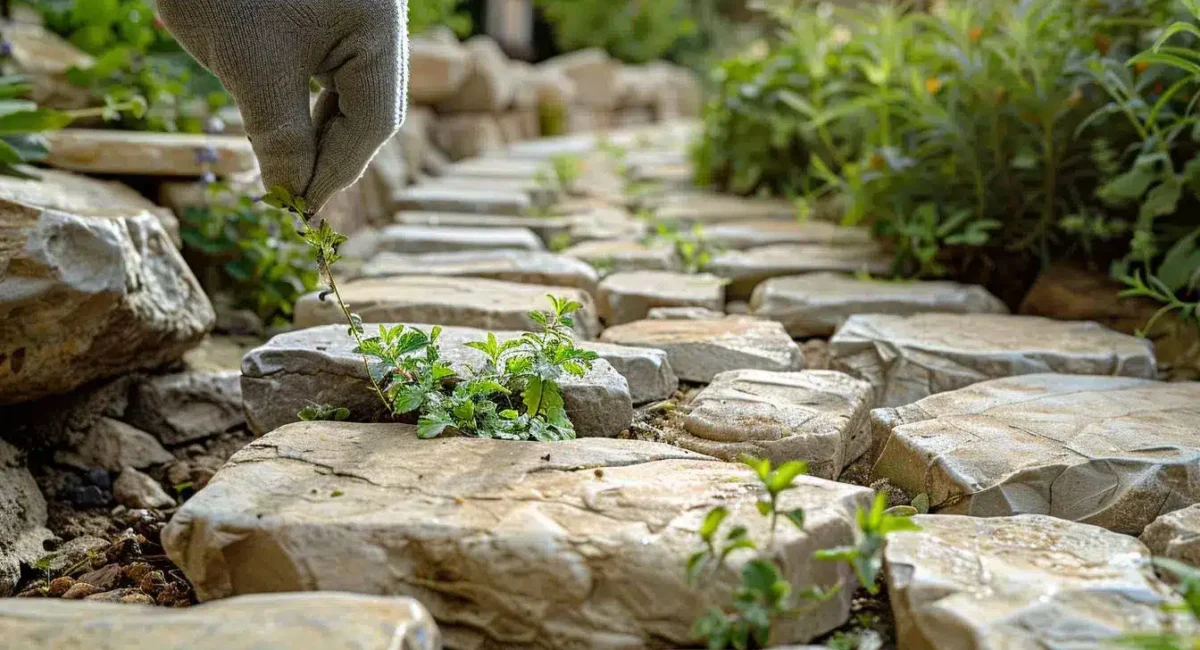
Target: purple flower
6,49
209,178
214,125
206,155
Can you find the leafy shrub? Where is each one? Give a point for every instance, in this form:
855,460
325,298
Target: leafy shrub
254,250
424,14
634,31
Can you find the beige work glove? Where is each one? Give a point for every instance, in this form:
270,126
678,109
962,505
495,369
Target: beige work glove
267,51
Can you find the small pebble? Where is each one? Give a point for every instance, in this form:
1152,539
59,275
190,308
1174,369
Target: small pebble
79,591
103,579
100,478
60,586
137,571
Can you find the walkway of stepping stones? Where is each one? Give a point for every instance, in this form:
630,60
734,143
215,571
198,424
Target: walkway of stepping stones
1044,448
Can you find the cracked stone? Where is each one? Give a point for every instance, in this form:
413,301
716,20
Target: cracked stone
1023,583
1176,535
907,358
520,546
1109,451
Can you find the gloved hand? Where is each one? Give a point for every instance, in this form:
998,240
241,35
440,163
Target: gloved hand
266,52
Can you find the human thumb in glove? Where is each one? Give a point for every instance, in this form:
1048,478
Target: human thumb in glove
267,51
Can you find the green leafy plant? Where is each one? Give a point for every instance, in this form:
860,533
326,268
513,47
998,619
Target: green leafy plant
249,250
631,30
764,595
324,413
562,175
428,13
1188,585
695,250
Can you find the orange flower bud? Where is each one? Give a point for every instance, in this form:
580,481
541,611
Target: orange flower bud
877,162
1141,66
933,85
975,34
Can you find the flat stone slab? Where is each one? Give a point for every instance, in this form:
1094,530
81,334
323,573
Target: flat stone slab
752,233
625,256
1176,535
548,228
541,195
746,269
1108,451
22,519
419,240
183,407
626,297
88,297
461,302
319,365
647,370
907,358
142,153
816,304
1021,583
713,207
442,199
523,267
702,349
267,622
515,545
816,416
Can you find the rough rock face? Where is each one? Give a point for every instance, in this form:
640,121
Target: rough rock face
460,136
416,240
593,74
752,233
1109,451
521,546
187,406
22,518
522,267
147,154
319,365
908,358
965,583
113,445
460,302
746,269
267,622
817,416
701,349
1176,535
489,85
818,303
626,297
42,57
622,256
646,370
82,298
436,70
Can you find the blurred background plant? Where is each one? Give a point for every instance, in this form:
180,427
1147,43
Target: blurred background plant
424,14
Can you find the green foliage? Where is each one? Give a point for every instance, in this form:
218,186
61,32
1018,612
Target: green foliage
136,57
562,174
764,595
634,31
694,249
423,14
1188,585
515,395
324,413
259,258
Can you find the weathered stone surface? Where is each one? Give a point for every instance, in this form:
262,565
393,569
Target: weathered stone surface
525,267
817,416
113,445
701,349
147,154
1109,451
319,365
83,298
593,73
490,85
752,233
1176,535
907,358
22,518
433,199
646,370
1022,583
683,313
465,135
626,297
542,195
521,546
267,622
548,228
461,302
436,70
134,489
625,256
187,406
417,240
44,59
817,304
748,268
696,206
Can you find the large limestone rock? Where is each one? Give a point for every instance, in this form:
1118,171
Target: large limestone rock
626,297
1022,583
817,304
462,302
520,546
440,199
1176,535
907,358
817,416
746,269
752,233
702,349
593,74
415,240
436,70
647,371
525,267
490,85
267,622
22,519
84,297
318,365
625,256
1109,451
465,135
142,153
